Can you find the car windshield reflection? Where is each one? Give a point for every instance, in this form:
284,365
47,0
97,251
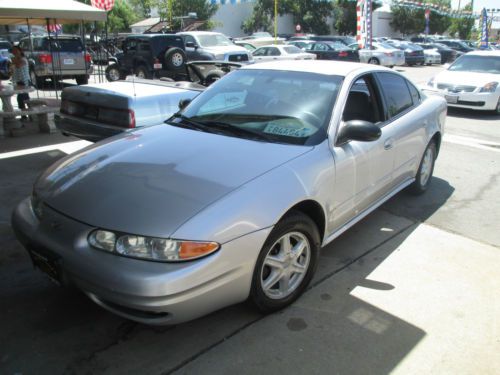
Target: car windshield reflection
266,105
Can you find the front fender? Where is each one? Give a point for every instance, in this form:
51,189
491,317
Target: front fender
262,202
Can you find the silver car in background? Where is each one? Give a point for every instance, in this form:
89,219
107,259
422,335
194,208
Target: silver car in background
234,196
382,54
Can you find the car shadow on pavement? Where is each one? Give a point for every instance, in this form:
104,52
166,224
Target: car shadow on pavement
326,330
471,114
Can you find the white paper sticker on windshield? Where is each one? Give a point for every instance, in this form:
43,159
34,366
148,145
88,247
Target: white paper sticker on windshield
288,128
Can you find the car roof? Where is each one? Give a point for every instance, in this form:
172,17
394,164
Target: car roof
484,53
150,35
325,67
140,89
199,33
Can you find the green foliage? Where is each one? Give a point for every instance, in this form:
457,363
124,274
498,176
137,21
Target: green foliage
345,16
180,8
412,21
311,15
142,7
119,19
462,26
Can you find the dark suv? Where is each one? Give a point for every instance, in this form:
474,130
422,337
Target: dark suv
148,56
63,58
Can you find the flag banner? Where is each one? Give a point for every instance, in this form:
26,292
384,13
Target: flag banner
103,4
54,28
364,23
483,41
427,20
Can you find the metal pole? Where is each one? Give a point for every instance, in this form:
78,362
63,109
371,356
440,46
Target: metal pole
52,56
275,21
31,50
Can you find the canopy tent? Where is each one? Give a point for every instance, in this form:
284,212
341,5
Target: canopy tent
36,12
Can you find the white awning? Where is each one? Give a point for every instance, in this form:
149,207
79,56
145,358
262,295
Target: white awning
36,12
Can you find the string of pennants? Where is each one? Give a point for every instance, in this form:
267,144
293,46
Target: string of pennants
441,10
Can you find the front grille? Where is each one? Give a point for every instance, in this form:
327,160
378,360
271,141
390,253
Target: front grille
238,58
472,104
455,88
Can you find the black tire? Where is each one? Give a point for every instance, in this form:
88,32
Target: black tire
374,61
296,224
114,73
82,80
213,76
36,81
391,66
175,59
496,111
423,180
142,72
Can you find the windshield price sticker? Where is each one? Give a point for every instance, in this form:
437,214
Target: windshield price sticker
291,130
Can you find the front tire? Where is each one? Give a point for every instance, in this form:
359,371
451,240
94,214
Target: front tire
425,170
82,80
286,263
374,61
142,72
113,73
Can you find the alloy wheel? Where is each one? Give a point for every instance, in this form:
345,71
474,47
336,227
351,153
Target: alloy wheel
425,171
285,265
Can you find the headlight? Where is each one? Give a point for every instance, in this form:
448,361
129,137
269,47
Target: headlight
150,248
489,87
431,82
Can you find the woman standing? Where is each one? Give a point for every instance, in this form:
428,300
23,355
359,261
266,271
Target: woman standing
20,75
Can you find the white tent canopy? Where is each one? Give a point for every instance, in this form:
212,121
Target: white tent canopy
36,12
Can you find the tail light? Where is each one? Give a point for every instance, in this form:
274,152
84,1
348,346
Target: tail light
343,54
388,54
120,117
88,58
45,58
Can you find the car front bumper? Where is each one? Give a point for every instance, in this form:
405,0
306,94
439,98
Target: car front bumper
484,101
155,293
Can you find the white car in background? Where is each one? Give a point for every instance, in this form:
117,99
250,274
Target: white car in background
431,56
472,81
281,52
381,54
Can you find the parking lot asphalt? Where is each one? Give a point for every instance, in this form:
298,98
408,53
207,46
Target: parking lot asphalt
413,288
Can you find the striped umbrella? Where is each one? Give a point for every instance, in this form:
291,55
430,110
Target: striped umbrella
103,4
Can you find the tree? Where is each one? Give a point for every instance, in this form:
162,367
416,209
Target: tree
462,25
311,15
142,7
180,8
345,16
409,20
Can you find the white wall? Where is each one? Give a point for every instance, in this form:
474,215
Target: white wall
230,17
381,25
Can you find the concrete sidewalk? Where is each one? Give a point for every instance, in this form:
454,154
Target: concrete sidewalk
424,309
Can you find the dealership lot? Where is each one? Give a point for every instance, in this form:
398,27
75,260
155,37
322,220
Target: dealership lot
412,288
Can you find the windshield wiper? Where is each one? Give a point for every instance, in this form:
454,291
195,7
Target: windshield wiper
191,124
227,128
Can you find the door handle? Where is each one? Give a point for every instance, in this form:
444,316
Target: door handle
388,144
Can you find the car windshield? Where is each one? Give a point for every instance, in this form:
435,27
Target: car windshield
292,50
266,105
476,63
213,40
385,45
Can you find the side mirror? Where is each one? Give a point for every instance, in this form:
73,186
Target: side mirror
191,45
358,130
183,103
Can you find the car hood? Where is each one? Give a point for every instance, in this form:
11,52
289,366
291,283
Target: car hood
225,49
151,181
465,78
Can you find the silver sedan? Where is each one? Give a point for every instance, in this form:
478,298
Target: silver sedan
233,197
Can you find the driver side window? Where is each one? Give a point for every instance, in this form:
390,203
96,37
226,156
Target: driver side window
362,101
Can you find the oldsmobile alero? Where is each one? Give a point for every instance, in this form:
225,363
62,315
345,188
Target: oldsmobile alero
232,197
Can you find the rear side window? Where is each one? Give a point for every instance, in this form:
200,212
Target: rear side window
64,45
396,92
415,95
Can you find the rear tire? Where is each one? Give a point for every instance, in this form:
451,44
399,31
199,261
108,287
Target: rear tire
496,111
374,61
36,81
142,72
82,80
425,170
286,263
113,73
175,59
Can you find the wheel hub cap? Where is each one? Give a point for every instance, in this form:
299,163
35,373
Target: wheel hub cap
285,265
